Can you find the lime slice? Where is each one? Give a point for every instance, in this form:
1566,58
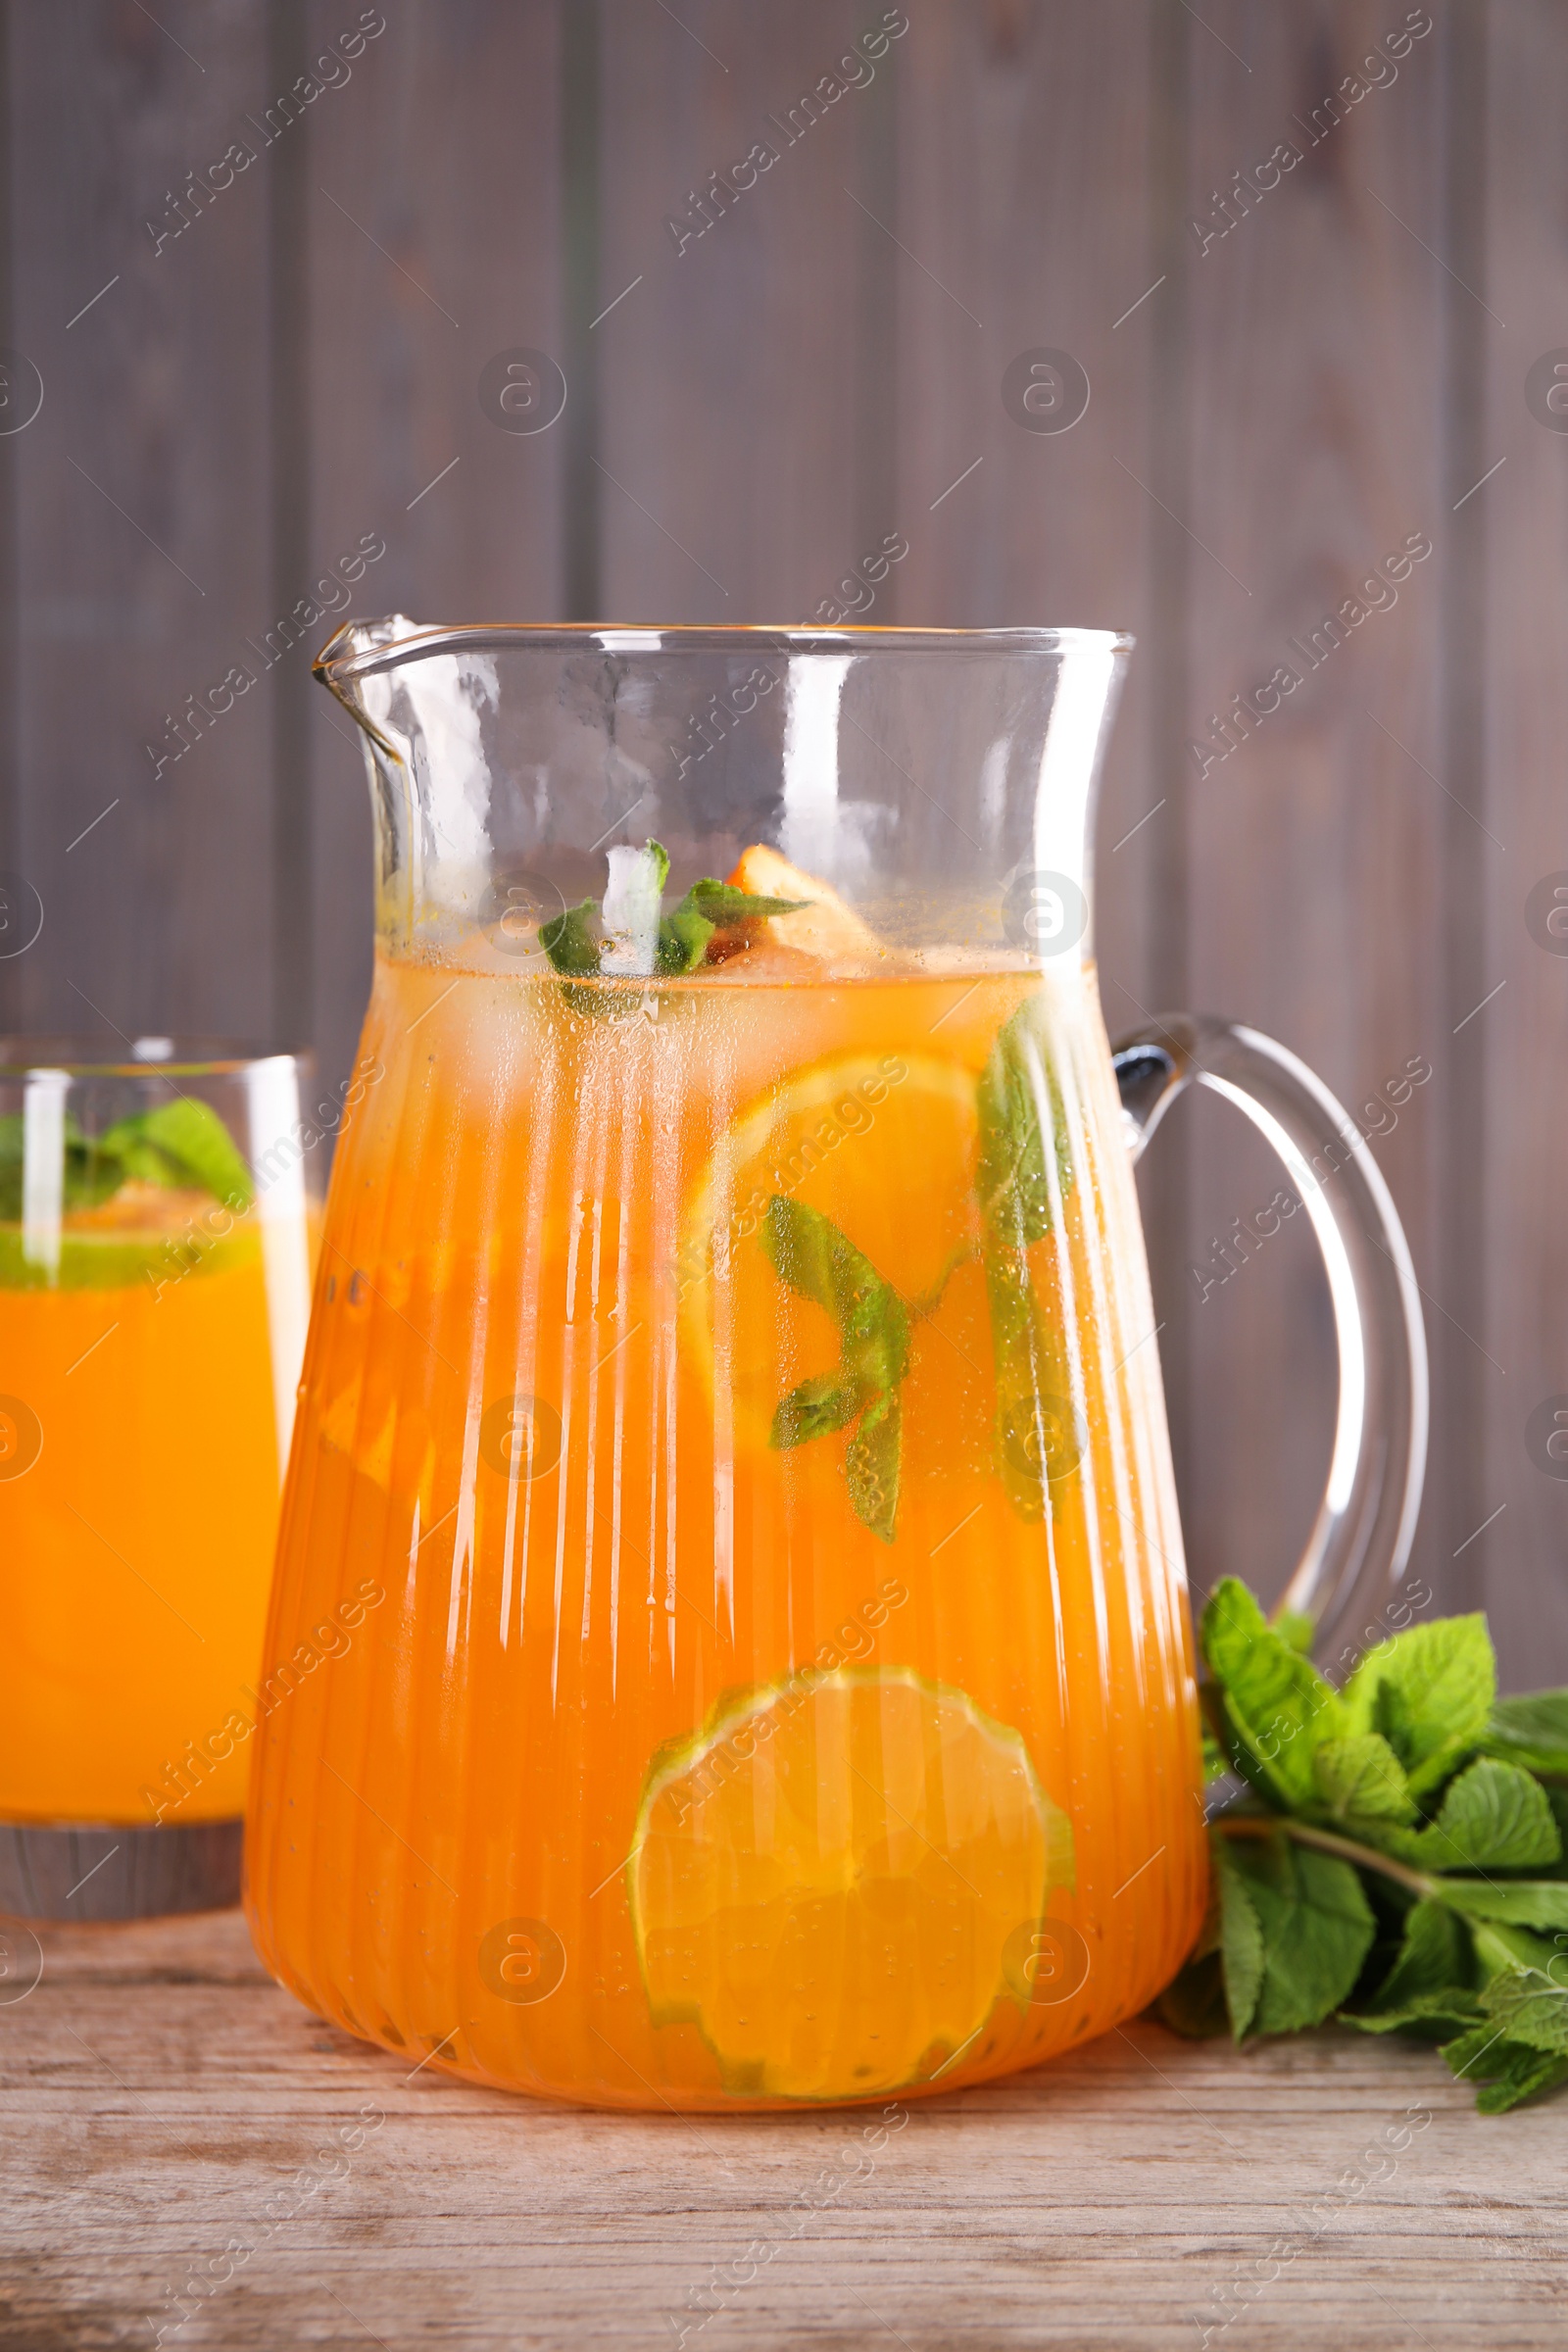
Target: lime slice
824,1881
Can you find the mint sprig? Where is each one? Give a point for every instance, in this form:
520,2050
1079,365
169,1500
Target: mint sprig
586,940
1396,1859
1018,1176
182,1144
809,1253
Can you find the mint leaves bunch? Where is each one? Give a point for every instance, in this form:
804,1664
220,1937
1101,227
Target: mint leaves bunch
182,1144
807,1251
1395,1857
582,940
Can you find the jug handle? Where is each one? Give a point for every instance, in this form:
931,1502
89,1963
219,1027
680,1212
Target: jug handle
1361,1544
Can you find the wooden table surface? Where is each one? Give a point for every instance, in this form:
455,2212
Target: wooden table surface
172,2120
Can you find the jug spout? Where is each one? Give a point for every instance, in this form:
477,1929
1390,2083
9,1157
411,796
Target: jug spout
940,782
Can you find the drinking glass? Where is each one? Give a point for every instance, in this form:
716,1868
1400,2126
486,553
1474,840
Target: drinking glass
155,1242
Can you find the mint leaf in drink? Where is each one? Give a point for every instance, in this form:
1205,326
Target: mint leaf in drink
92,1167
1430,1692
630,934
809,1253
193,1140
709,910
1361,1781
1317,1929
11,1152
1494,1817
1531,1732
683,938
872,1464
817,1409
180,1143
1016,1178
569,941
1275,1709
728,908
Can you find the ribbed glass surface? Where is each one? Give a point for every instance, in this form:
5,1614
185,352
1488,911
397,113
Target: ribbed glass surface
711,1665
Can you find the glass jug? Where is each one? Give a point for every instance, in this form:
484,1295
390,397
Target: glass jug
730,1592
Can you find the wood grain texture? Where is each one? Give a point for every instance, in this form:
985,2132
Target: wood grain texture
163,2099
735,384
142,544
1522,1261
1315,846
420,271
1027,219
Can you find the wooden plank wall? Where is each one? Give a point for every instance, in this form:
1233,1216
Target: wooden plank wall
1274,411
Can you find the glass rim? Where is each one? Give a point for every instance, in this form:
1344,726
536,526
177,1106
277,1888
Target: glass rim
22,1056
342,659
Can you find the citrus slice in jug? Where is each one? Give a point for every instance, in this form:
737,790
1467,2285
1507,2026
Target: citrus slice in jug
824,1881
883,1144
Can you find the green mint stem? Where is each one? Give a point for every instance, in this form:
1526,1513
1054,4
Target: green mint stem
1365,1857
929,1300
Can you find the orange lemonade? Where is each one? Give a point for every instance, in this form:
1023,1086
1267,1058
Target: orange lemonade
139,1477
739,1393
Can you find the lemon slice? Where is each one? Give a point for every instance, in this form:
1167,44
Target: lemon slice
824,1881
882,1144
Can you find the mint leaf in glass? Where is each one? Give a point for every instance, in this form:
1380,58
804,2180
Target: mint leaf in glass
1018,1177
630,935
873,1462
571,942
808,1251
1017,1108
183,1143
817,1409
